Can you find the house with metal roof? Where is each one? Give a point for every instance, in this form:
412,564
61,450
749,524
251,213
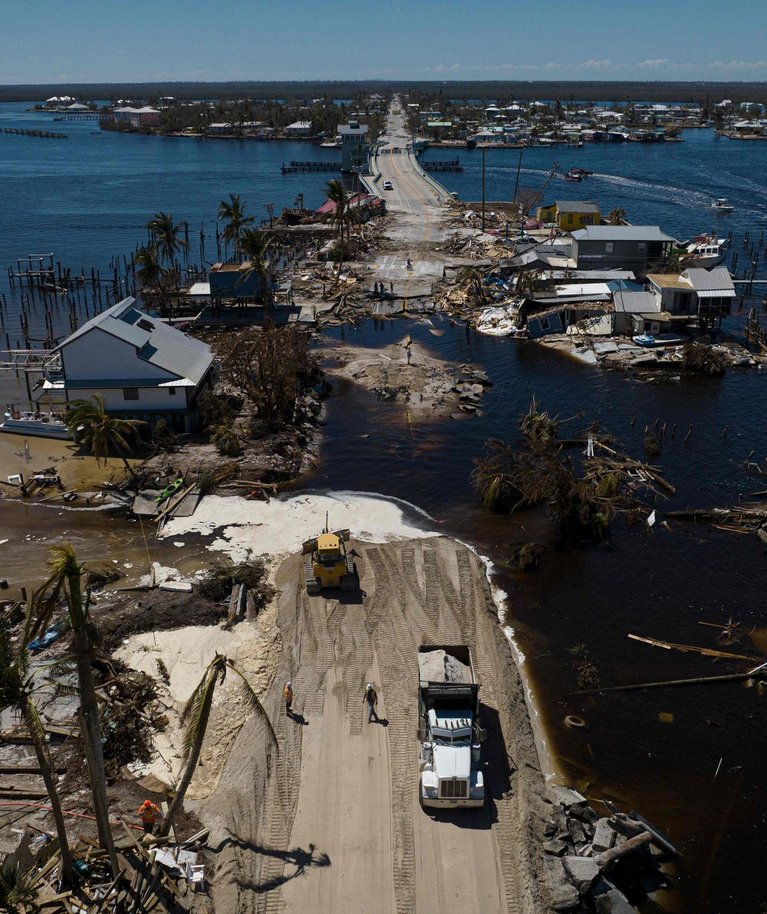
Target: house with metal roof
354,146
704,294
136,117
625,247
299,129
142,367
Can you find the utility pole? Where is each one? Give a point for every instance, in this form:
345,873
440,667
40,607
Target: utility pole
516,183
483,188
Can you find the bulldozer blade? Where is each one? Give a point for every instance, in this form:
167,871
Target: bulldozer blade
343,535
308,547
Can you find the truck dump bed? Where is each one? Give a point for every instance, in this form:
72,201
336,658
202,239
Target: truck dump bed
445,665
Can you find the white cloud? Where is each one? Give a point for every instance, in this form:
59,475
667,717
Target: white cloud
737,66
597,65
652,64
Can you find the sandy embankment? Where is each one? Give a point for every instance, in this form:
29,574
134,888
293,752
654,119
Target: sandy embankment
415,587
244,529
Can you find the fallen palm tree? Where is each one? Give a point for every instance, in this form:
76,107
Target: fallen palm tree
745,518
581,494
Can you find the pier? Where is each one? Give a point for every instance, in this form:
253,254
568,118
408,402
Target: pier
443,165
84,117
309,166
43,134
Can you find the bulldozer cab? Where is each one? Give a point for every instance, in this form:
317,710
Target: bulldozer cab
327,563
328,547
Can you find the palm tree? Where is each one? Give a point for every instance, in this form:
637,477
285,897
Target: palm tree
16,691
197,714
101,433
66,578
150,272
337,194
18,891
617,216
167,236
255,247
234,215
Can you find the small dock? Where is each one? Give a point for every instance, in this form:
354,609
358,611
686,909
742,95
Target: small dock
442,165
83,117
41,134
309,166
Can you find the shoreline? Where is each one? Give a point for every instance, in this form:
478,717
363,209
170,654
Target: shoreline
379,526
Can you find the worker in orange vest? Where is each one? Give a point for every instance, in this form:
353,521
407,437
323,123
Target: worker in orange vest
288,696
149,813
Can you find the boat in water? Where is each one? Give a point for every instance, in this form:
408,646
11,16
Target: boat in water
704,251
36,424
722,205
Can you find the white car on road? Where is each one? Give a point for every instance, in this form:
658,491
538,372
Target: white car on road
387,185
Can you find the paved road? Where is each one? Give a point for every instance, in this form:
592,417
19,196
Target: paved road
418,209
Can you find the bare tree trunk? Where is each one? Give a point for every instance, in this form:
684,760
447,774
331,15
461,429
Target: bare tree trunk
89,716
29,713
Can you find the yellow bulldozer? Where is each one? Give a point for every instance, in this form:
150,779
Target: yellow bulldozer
327,562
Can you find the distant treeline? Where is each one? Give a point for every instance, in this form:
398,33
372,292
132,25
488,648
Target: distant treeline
482,90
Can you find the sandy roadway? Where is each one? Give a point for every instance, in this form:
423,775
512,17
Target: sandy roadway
331,822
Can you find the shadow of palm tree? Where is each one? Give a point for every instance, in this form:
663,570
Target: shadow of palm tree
301,858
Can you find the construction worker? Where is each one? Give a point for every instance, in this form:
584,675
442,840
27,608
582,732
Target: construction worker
407,343
287,694
371,698
149,813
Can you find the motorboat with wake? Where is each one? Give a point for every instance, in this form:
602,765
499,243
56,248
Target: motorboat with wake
722,205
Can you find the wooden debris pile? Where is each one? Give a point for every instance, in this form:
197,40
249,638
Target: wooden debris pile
154,874
581,493
749,518
461,245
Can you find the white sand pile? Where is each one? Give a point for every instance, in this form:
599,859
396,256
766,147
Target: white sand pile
279,527
186,652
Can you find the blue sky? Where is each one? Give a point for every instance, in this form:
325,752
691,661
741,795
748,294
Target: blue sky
132,40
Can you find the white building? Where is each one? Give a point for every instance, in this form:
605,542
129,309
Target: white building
137,117
141,366
299,129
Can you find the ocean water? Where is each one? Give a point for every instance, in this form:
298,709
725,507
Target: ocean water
87,198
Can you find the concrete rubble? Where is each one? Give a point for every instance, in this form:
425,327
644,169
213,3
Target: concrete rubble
578,876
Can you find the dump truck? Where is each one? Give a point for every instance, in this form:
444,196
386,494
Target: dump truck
449,730
327,562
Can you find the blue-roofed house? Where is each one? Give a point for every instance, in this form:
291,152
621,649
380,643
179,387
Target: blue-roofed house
142,367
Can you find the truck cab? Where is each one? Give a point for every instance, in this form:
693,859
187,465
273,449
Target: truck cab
449,731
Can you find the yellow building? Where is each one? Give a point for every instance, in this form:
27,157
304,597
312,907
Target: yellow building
570,215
